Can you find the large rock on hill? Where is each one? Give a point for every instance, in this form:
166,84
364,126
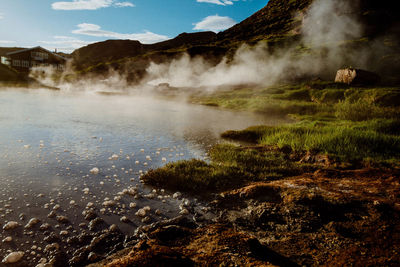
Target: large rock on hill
356,77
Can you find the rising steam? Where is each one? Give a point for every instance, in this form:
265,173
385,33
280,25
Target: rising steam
328,27
326,24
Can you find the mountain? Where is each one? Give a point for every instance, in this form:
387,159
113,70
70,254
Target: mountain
279,24
105,51
277,18
112,50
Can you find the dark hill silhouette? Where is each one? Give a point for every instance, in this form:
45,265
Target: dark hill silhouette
112,50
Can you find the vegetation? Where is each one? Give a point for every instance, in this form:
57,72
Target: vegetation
230,167
347,124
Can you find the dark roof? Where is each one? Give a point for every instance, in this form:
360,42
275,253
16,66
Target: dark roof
36,47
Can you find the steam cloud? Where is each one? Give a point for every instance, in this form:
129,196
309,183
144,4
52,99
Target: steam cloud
326,26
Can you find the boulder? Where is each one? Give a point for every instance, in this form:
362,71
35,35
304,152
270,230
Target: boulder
356,77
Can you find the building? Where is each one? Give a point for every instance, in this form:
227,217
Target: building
24,60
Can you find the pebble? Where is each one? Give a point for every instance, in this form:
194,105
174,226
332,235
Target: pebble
141,213
62,219
146,219
176,195
13,257
44,227
64,233
124,219
113,228
109,203
32,222
184,212
95,170
10,225
7,239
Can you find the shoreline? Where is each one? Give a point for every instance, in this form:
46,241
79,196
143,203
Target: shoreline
333,207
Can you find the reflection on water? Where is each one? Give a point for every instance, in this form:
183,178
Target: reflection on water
50,142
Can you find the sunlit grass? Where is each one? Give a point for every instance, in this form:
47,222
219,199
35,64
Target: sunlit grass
348,124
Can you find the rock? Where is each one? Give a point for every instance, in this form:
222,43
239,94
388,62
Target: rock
52,247
94,223
10,225
90,215
7,239
356,77
92,257
184,212
176,195
64,233
124,219
146,219
141,213
52,214
109,203
32,222
44,227
94,171
62,219
52,238
113,228
13,257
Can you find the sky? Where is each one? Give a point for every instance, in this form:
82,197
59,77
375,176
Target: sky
70,24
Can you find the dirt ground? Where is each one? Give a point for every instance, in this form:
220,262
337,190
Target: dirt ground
329,217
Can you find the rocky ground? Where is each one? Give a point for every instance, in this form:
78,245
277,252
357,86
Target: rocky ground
329,217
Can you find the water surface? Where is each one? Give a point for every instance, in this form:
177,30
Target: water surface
49,142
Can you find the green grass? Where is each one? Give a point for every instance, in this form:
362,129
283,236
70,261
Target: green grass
351,125
347,141
192,176
231,166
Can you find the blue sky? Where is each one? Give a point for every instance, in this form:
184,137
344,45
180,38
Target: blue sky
70,24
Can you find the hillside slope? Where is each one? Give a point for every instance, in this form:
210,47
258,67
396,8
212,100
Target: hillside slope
277,18
112,50
9,75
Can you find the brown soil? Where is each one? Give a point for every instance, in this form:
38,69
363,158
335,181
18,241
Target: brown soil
330,218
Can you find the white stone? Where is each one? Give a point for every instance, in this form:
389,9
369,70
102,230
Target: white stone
176,195
95,171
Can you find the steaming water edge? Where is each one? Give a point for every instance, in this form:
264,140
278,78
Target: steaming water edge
51,144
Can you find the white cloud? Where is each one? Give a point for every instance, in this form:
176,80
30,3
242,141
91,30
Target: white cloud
124,4
64,43
6,42
214,23
218,2
89,4
1,15
146,37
